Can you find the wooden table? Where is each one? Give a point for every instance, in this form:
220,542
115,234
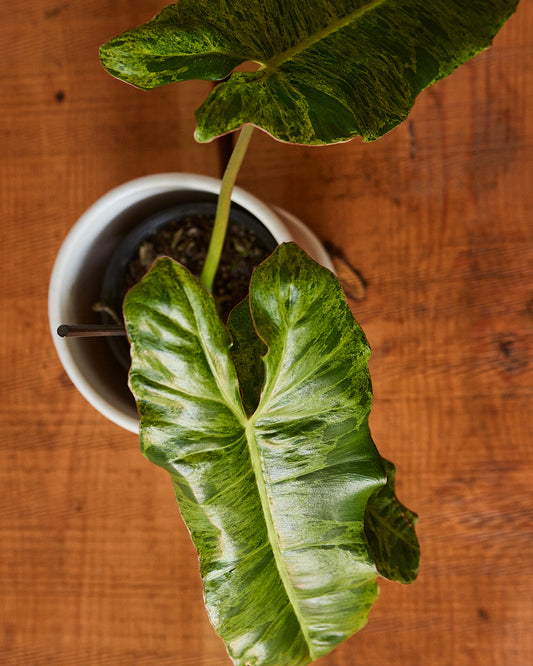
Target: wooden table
96,566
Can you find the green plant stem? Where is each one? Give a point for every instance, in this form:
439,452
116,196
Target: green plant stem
223,207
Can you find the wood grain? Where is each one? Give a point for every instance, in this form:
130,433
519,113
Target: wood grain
96,566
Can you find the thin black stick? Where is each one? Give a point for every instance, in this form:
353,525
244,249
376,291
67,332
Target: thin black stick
89,330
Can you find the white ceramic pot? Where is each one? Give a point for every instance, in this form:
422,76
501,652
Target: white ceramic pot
78,270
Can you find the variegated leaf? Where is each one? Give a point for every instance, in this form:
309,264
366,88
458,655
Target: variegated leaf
275,499
328,70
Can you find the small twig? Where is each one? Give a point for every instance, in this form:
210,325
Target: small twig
100,307
89,330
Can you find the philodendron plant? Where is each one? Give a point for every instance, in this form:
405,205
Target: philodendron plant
262,421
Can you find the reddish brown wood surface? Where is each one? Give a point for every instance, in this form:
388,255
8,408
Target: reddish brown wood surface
96,566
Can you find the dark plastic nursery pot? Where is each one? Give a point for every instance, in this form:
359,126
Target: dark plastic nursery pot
182,232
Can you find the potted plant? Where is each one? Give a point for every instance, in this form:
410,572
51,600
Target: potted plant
262,421
77,294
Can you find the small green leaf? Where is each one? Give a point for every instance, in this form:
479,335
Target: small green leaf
329,70
389,528
246,352
275,500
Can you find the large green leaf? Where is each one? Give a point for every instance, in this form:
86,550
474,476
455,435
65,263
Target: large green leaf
328,69
275,501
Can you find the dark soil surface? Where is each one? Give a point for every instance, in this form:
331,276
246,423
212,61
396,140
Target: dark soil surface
187,241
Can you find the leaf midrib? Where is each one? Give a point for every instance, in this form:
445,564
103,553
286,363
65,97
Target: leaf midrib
278,60
255,459
271,531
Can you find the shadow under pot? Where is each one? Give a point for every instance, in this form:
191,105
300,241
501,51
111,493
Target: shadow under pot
183,232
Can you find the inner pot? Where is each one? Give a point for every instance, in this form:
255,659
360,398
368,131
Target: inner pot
182,232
